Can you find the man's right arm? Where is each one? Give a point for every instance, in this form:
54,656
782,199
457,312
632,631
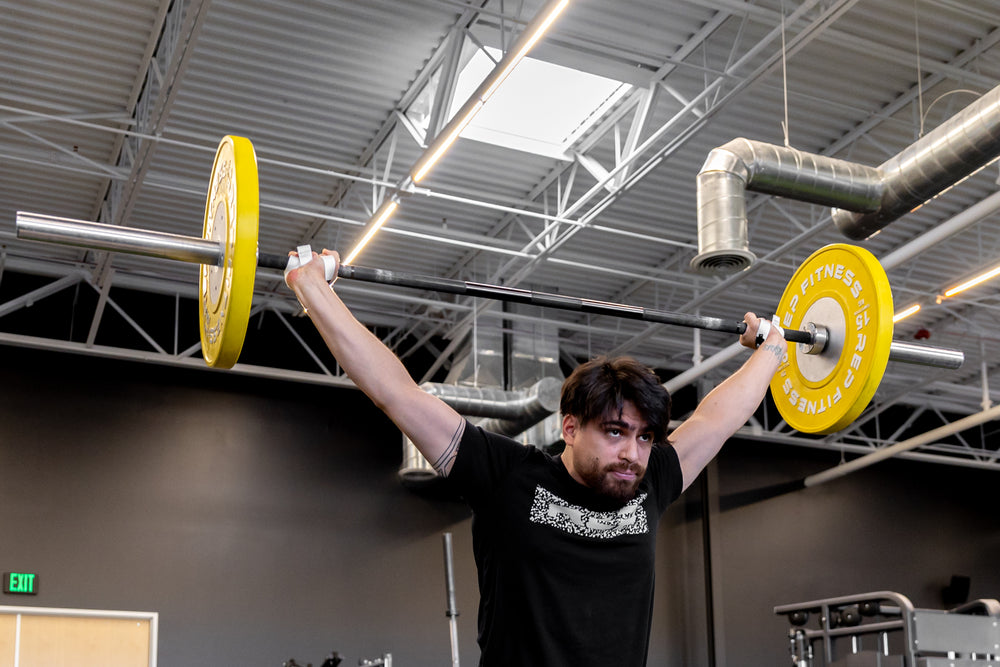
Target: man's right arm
433,426
730,404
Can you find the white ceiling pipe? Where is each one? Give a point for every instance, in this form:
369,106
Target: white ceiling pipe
905,445
698,370
939,233
751,433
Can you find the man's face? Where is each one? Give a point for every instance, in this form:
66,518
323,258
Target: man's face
609,454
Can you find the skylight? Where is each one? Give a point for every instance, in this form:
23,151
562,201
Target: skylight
541,108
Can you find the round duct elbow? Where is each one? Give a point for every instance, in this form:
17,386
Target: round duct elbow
859,226
537,402
510,413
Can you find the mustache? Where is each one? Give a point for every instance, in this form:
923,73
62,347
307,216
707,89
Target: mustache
636,468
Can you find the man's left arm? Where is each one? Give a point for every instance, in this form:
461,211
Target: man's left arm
727,407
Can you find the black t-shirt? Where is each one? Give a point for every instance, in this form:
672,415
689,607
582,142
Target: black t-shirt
565,575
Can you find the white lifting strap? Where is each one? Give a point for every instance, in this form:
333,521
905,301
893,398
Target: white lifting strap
764,328
305,256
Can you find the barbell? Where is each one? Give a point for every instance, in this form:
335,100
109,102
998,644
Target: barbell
837,307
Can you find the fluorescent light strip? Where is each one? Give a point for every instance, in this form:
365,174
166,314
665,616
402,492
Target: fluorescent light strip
981,278
446,143
906,313
388,209
523,51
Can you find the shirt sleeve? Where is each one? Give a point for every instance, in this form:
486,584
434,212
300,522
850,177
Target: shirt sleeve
665,472
483,461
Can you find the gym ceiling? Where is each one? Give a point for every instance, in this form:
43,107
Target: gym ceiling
111,111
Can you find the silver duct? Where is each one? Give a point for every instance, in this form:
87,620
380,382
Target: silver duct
509,413
866,199
526,408
966,142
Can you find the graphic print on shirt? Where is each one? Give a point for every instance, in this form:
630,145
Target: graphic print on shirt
550,510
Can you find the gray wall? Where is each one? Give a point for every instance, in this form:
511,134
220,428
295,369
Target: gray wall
263,521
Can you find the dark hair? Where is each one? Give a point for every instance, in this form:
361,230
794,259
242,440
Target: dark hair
601,386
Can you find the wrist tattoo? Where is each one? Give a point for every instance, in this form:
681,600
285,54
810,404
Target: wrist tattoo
773,349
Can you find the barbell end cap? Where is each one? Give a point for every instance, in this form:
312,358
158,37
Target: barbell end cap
820,338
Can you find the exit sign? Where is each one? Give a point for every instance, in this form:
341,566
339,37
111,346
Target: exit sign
20,583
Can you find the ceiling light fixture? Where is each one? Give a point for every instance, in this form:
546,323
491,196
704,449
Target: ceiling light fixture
387,208
972,282
906,313
446,139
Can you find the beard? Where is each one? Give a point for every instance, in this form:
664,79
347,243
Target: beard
603,481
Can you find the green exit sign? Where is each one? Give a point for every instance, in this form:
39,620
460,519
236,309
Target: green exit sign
20,583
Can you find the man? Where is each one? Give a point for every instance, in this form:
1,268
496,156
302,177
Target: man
564,545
